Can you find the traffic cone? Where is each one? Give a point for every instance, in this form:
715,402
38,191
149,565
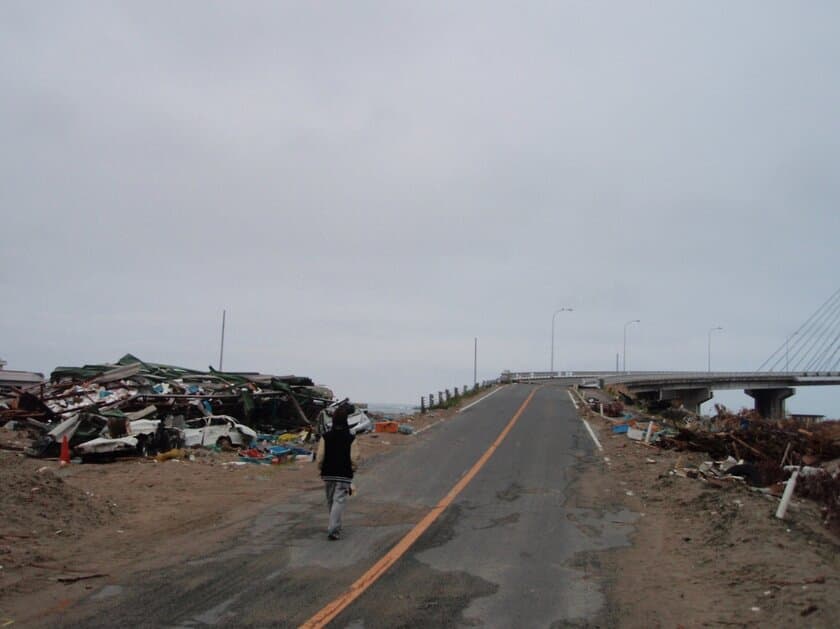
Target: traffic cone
65,451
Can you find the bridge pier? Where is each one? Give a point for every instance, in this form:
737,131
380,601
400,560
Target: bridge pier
691,399
770,403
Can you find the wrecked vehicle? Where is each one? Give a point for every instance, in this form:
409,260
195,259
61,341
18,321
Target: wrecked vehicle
145,436
77,428
217,430
90,434
358,421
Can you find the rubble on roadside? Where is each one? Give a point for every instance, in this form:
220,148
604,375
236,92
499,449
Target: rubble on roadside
744,448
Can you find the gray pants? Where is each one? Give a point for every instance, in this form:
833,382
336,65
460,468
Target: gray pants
337,493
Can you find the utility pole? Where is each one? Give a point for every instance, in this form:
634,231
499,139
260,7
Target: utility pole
475,362
222,350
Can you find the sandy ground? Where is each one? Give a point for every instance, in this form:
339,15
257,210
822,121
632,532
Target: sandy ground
65,530
707,556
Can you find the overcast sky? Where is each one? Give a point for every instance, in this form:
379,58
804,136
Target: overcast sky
367,186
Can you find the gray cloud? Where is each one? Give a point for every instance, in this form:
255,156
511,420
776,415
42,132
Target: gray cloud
368,186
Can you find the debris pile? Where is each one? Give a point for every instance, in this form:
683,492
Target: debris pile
824,489
748,437
764,454
133,406
610,409
769,455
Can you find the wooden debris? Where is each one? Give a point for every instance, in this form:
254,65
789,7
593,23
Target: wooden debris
81,577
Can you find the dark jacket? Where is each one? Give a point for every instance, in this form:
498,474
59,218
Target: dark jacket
335,453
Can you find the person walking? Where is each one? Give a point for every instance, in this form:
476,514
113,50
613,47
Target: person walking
337,457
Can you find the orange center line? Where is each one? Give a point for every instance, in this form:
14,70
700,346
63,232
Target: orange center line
360,585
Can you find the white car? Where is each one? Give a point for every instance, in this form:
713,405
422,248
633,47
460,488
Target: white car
217,430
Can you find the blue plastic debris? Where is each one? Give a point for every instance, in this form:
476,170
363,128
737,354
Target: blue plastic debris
620,429
300,451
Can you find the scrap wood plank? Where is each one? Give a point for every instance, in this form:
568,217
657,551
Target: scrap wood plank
81,577
820,579
748,446
59,568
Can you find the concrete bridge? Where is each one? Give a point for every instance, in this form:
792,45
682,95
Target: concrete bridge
691,388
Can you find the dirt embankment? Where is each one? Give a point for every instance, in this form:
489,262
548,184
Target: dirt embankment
709,554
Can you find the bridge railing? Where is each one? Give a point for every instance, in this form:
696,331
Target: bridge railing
447,398
613,377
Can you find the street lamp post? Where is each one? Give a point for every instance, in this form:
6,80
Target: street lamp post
709,354
624,351
222,348
553,317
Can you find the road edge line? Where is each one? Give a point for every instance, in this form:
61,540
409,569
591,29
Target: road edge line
332,609
592,434
586,423
481,399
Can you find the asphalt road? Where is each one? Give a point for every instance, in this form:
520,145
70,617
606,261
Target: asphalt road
512,550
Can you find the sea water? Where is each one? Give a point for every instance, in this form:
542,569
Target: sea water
394,410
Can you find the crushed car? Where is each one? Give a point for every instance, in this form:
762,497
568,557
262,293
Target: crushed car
358,421
91,435
217,430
